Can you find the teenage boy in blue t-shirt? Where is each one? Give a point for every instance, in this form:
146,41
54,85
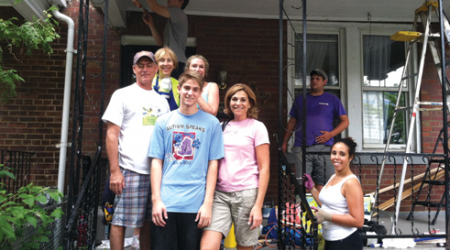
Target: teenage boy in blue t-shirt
186,146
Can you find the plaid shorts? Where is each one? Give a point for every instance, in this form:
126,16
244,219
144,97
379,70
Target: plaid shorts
134,205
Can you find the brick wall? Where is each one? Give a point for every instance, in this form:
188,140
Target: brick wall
32,121
246,48
432,120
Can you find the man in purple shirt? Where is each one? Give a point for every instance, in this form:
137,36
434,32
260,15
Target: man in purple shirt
322,109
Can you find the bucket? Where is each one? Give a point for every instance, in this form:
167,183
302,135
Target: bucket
230,240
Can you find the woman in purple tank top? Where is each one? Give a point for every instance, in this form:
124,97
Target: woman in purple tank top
341,201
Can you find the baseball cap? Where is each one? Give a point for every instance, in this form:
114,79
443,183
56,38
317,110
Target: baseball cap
319,72
143,53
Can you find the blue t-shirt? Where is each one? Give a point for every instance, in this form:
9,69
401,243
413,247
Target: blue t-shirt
186,144
321,111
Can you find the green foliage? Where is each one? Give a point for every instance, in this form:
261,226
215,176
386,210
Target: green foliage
19,210
23,39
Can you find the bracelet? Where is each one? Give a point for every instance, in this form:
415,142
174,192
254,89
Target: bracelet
313,189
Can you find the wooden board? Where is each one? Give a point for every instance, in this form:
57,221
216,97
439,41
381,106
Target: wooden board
387,204
419,176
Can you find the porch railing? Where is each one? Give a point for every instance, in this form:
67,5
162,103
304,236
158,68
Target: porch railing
366,166
19,163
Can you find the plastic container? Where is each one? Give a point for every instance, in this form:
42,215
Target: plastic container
230,240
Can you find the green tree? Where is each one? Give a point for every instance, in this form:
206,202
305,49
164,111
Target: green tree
23,39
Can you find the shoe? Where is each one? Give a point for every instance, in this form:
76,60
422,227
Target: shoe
135,243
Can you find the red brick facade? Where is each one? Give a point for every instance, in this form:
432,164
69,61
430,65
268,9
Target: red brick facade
247,48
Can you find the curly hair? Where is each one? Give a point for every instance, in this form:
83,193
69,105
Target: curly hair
350,143
252,111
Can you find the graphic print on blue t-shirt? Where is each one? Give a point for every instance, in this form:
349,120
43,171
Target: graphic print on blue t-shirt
184,145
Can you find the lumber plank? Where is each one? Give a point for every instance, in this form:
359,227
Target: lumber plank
419,176
389,203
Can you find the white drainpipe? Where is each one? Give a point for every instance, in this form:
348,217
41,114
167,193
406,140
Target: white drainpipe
66,103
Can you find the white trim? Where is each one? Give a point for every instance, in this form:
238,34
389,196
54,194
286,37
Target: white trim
149,40
113,14
350,69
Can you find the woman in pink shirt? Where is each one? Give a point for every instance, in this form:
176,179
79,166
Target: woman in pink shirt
243,173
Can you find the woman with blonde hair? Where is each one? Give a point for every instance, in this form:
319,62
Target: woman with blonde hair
209,100
163,83
243,173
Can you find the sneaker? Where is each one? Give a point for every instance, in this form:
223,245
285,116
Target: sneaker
135,243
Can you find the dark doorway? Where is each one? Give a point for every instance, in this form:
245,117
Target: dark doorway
127,76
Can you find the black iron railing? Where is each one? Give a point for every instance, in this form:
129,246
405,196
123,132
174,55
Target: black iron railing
84,171
365,166
18,163
294,230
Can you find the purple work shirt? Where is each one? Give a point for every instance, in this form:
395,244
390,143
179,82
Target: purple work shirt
321,111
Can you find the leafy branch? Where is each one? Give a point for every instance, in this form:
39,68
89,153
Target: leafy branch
20,210
23,40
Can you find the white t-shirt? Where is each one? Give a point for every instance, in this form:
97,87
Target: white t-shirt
135,111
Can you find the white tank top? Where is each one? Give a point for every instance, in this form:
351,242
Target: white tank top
333,201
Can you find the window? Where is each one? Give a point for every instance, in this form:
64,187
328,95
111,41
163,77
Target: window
364,67
384,61
322,53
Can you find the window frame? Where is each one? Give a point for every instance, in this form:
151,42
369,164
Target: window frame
350,35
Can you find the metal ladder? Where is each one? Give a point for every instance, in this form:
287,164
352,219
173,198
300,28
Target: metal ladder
424,12
431,179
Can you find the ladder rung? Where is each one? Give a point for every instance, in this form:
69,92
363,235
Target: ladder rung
424,7
409,76
438,183
427,203
405,36
430,103
434,35
403,109
429,109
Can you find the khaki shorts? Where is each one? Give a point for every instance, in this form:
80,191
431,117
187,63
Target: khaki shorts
234,207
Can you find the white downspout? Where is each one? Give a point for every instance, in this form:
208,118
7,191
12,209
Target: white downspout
66,103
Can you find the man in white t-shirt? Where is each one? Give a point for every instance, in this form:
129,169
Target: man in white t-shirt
131,116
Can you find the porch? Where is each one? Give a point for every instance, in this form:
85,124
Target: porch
243,38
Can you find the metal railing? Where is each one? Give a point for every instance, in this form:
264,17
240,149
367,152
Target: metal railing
294,230
84,172
19,164
382,208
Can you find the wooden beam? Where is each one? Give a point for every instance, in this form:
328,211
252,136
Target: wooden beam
419,176
389,203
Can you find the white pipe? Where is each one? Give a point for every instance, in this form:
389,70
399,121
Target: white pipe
66,103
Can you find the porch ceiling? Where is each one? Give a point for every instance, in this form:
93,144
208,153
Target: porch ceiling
321,10
33,8
318,10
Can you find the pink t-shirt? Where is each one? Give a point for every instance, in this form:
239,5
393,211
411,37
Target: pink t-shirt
239,169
